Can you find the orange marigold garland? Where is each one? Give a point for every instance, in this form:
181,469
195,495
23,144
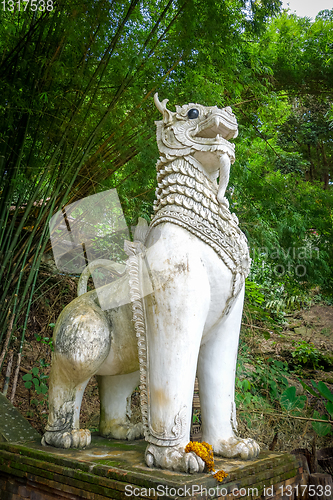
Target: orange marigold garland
220,475
205,452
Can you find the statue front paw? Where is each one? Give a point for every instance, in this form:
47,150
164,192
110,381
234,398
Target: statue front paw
173,458
135,431
77,438
118,430
234,447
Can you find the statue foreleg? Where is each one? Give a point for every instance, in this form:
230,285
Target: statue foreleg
176,315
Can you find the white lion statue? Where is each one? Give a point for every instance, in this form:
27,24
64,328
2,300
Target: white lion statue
174,313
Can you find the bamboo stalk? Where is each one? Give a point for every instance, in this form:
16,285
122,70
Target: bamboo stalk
281,415
9,332
70,145
17,371
31,278
257,327
8,373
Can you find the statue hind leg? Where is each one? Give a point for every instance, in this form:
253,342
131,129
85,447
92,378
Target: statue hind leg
82,342
115,396
62,429
216,375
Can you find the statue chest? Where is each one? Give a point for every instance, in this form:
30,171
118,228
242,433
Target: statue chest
186,197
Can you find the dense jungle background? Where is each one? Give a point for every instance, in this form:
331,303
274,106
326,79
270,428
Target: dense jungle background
77,81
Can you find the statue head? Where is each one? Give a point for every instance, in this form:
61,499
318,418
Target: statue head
193,127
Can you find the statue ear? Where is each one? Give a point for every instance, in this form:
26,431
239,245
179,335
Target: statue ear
161,106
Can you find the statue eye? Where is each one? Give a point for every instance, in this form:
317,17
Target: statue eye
193,113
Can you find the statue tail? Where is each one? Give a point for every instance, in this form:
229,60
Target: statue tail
114,267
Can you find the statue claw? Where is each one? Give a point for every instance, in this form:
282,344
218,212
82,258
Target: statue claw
173,458
233,447
77,438
127,431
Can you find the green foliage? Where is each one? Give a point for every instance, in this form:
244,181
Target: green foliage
253,292
245,395
306,353
289,239
264,379
306,134
278,295
196,418
324,392
265,386
259,384
290,402
284,143
299,52
36,381
45,340
246,398
270,377
321,428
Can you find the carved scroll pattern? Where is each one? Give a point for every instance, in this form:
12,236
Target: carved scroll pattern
135,251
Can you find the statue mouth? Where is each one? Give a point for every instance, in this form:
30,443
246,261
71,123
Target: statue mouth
217,128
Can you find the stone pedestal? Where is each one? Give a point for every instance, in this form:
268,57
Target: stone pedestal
116,469
13,426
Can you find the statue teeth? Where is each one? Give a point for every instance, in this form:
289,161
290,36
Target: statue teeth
217,121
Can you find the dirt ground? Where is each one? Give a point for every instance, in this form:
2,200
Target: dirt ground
313,325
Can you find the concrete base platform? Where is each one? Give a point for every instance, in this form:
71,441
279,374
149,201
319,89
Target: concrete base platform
116,469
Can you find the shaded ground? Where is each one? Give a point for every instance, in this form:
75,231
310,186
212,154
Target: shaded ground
313,326
309,330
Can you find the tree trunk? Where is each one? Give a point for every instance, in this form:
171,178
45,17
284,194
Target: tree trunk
320,486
